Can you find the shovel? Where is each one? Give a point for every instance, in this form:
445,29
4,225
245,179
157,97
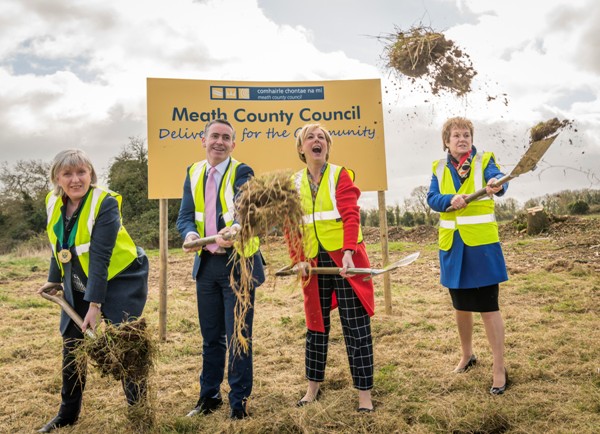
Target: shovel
201,242
291,270
527,163
60,300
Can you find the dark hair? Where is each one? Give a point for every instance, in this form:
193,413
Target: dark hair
219,121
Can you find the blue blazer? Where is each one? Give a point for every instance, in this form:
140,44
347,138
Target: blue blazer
186,221
125,294
468,266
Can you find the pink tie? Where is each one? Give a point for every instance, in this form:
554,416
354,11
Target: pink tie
210,208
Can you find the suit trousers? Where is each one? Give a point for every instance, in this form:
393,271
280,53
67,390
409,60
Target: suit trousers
216,312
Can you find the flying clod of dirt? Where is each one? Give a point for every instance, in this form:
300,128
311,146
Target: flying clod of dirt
544,130
423,53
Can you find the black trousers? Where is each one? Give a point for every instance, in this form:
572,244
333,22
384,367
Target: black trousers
74,379
356,327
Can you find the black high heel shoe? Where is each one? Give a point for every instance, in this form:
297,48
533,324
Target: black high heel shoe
500,390
472,362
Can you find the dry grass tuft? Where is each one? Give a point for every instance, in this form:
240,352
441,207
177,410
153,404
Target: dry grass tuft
125,352
265,204
122,351
422,52
552,352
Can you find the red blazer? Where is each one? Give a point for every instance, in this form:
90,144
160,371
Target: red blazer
347,195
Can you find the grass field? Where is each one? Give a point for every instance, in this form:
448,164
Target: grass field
551,308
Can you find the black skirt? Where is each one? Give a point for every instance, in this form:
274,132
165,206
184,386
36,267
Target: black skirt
483,299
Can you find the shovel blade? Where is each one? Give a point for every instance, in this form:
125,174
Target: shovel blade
533,155
401,263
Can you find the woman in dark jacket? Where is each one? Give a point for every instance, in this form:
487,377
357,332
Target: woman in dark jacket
99,267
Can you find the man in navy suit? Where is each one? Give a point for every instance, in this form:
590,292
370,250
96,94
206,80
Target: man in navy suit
207,207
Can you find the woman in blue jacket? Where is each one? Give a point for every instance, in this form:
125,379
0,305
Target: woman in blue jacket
471,260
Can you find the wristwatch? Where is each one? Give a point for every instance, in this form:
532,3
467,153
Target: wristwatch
98,305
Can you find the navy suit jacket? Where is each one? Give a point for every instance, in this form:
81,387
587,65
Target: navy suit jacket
186,221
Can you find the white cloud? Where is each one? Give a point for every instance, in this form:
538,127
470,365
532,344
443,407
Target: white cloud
74,73
73,68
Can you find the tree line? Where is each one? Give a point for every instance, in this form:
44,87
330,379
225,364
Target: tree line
24,185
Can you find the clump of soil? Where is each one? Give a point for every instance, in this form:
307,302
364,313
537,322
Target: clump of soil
422,52
544,130
266,203
123,351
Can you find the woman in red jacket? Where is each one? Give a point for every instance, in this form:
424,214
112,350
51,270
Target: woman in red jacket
332,238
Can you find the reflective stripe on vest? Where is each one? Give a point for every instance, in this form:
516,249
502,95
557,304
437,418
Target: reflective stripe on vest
197,173
124,251
475,219
322,222
476,223
51,210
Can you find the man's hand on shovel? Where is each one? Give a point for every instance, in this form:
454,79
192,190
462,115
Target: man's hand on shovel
224,238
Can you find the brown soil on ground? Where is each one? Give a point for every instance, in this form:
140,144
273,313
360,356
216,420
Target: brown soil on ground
569,241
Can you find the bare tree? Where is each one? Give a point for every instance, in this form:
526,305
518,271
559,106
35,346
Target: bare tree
419,199
26,179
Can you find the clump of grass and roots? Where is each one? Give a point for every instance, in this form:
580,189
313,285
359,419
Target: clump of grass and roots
544,130
125,352
424,53
265,204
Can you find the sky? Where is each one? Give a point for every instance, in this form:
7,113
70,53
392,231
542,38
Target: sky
73,74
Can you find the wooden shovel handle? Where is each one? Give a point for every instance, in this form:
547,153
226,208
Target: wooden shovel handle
290,271
482,192
201,242
60,300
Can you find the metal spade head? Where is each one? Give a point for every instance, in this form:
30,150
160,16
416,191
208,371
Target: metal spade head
533,155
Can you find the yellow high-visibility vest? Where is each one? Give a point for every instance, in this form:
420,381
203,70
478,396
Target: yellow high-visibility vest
476,223
124,251
197,173
322,222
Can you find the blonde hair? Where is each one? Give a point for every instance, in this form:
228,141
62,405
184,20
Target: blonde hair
309,128
70,158
456,122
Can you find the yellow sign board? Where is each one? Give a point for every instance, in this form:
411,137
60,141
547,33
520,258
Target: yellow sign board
266,116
